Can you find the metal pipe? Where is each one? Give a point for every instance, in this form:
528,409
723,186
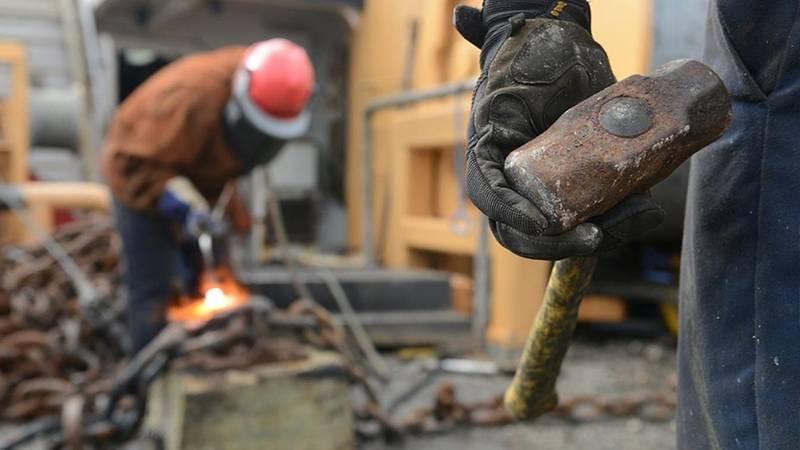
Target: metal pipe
54,117
403,99
65,194
98,94
258,211
481,272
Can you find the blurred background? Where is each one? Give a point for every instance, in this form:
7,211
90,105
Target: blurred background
373,196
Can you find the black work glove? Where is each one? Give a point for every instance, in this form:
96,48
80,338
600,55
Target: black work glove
538,59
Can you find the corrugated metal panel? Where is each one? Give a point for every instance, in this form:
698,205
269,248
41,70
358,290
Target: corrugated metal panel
37,24
48,66
31,29
29,8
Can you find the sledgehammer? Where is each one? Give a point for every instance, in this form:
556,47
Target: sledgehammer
621,141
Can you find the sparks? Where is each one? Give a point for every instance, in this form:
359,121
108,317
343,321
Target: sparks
215,299
222,293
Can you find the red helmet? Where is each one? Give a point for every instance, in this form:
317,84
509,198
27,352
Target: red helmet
281,77
268,104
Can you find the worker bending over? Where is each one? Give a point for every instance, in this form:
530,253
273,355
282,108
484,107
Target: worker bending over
738,357
200,123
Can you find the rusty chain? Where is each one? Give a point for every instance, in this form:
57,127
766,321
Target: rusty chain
447,412
48,352
55,363
234,340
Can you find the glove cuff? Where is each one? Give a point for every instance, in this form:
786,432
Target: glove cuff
178,199
497,12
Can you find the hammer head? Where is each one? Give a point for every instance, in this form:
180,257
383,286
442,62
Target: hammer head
621,141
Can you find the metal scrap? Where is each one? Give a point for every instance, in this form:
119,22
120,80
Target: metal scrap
53,357
47,351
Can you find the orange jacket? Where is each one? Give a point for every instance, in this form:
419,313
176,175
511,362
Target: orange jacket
172,126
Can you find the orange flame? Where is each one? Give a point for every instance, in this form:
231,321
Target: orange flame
222,293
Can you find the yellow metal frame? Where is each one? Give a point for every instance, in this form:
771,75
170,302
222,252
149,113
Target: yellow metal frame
14,135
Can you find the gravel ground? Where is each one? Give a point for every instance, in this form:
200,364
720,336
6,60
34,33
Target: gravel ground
608,369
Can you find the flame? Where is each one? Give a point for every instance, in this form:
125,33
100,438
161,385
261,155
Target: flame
222,293
215,299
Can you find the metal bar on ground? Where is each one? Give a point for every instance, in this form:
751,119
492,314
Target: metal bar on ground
481,269
350,317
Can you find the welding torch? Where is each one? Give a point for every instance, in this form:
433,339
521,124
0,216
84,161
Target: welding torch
205,235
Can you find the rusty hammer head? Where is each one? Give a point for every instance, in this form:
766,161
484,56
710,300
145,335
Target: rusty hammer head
621,141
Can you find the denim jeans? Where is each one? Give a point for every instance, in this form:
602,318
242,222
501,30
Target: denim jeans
738,357
150,255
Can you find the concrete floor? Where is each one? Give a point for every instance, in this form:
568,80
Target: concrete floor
609,369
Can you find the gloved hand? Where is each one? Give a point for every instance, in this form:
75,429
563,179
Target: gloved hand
538,59
191,220
200,222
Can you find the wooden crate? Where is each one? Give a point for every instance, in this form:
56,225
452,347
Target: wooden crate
288,406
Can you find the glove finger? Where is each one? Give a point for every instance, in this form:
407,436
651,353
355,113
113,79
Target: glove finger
489,191
198,223
636,215
469,23
581,241
218,228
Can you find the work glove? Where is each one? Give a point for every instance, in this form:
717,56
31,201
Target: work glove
538,59
193,222
181,205
201,222
190,222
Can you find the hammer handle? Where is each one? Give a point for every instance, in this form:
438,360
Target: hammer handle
532,392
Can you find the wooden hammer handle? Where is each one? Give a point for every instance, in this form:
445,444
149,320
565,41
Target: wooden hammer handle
532,392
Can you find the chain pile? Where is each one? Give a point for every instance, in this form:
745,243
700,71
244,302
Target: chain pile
47,350
69,377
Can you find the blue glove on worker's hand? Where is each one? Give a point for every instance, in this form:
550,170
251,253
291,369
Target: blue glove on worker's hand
193,222
538,59
172,208
201,222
